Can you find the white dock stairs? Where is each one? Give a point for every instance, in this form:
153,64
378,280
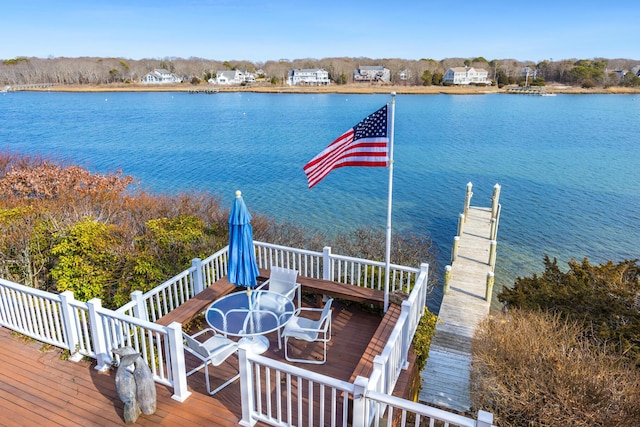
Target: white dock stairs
466,301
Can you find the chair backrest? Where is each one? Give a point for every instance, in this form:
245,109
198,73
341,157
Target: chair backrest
326,311
282,280
196,345
321,324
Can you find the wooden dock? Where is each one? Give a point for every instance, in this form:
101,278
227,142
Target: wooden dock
445,378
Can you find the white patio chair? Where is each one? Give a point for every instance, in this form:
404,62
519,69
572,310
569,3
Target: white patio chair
213,351
303,328
283,281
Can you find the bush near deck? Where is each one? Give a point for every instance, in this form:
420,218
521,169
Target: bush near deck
566,350
102,236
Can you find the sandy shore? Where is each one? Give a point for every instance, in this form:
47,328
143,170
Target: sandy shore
346,89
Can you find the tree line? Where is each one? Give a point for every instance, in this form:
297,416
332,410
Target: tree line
426,71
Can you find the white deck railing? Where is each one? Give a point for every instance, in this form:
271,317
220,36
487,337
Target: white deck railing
339,268
162,299
289,395
308,263
382,406
88,329
319,265
34,313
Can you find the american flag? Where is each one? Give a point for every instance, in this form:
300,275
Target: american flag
365,144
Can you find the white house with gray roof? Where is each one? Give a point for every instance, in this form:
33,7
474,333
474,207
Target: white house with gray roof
232,77
466,75
160,76
308,76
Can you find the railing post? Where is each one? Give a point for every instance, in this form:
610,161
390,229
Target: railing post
467,199
492,253
495,200
406,334
176,349
454,250
70,325
98,337
246,387
489,291
360,416
139,310
485,419
447,278
198,276
376,412
461,220
424,269
326,263
380,365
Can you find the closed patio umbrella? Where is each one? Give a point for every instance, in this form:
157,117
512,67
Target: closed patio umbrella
243,268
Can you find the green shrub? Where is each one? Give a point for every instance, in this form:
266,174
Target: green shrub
422,338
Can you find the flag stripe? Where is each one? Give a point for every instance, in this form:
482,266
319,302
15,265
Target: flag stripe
366,144
364,155
375,149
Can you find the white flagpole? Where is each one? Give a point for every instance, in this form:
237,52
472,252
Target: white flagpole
387,268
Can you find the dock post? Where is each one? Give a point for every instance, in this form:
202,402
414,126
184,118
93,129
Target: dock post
492,253
447,278
460,224
494,229
490,280
495,201
454,250
467,199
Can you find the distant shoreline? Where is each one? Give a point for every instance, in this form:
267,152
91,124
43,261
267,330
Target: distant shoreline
337,89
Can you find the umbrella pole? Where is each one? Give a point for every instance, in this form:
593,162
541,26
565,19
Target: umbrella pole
251,324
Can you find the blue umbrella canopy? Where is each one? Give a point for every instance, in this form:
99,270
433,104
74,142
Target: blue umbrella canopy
243,268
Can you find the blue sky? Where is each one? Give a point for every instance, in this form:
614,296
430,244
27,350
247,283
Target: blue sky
261,30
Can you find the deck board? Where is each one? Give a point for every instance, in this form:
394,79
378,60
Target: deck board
199,303
445,378
38,388
321,287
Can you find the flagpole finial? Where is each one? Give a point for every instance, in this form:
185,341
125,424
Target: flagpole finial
238,193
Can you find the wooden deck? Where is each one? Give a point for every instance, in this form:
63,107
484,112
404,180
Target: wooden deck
38,388
199,303
445,378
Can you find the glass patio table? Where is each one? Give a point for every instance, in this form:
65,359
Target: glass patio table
250,315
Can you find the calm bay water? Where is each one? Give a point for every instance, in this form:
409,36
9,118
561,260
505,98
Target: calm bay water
569,165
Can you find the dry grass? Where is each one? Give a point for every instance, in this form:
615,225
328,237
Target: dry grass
342,89
531,369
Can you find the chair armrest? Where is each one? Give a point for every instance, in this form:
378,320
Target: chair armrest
292,291
203,331
310,309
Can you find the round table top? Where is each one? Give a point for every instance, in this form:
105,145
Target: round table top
250,313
